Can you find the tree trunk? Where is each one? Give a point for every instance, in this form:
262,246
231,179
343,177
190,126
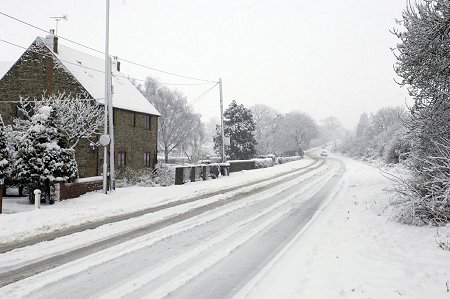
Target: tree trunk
166,156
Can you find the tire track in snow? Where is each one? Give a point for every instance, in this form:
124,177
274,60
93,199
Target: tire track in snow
70,255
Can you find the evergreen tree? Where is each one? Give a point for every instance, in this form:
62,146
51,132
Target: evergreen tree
40,159
239,126
363,126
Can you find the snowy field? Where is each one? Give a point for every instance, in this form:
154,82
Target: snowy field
348,250
351,251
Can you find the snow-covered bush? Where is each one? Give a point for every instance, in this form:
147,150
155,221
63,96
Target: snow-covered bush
282,160
398,148
423,57
75,118
263,163
380,136
162,175
426,199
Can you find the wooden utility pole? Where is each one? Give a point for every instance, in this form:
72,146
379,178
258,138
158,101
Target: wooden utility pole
221,120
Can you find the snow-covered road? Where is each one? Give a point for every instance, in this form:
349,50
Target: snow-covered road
210,252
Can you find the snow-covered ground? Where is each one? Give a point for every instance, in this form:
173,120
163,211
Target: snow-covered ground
96,205
353,251
348,249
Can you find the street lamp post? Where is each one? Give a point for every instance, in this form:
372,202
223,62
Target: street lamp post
106,100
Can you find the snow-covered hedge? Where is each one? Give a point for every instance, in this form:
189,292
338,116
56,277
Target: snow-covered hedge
162,175
263,163
282,160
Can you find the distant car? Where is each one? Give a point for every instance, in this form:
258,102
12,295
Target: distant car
324,153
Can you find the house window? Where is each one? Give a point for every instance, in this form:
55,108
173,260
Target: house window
147,122
114,117
147,159
133,119
122,159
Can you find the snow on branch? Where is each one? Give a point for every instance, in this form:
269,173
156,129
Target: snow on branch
76,118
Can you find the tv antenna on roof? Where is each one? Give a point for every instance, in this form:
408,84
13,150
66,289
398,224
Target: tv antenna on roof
57,19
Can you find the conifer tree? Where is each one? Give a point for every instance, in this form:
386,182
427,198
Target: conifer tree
239,126
4,154
40,159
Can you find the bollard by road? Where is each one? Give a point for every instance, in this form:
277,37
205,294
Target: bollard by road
37,199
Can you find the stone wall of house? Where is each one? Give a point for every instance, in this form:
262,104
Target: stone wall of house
37,73
135,140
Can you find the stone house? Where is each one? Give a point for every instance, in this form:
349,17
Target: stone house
48,67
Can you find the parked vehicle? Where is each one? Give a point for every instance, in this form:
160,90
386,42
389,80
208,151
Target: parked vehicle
324,153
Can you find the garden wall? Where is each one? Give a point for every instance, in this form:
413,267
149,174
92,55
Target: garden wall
80,187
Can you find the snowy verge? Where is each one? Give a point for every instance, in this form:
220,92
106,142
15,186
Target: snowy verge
352,250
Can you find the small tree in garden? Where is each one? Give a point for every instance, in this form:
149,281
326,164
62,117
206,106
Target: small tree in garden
4,154
240,126
75,118
40,159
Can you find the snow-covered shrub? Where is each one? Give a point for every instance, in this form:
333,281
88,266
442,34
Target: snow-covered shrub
425,197
398,148
263,163
164,174
282,160
126,177
422,59
75,118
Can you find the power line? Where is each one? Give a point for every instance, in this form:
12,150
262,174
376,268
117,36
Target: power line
204,93
92,69
164,72
101,71
42,29
101,52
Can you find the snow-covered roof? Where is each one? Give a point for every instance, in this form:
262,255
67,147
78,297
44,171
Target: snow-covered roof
89,71
4,67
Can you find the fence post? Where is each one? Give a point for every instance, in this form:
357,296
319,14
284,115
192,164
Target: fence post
37,199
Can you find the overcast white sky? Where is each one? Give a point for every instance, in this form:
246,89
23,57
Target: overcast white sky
323,57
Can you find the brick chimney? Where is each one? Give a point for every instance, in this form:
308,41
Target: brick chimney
116,63
52,41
